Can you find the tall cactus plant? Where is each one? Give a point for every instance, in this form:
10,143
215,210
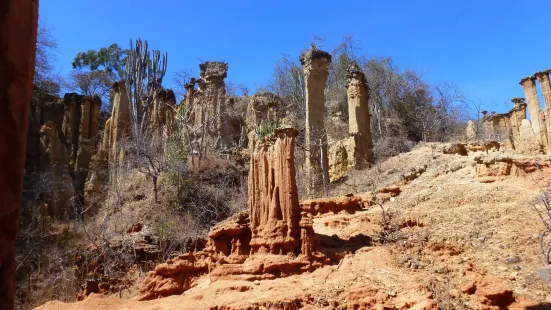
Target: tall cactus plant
144,76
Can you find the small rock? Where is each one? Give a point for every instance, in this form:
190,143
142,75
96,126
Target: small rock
512,260
517,268
256,282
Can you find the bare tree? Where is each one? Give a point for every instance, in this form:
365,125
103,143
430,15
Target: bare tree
448,99
90,83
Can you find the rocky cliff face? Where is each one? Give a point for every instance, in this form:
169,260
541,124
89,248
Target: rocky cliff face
63,137
55,164
18,24
161,119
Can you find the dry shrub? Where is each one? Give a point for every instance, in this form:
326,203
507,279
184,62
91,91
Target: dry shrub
391,146
214,191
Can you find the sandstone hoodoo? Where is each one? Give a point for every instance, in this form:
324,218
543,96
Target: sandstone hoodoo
356,151
274,239
273,195
314,65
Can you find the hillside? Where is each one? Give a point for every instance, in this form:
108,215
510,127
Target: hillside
460,232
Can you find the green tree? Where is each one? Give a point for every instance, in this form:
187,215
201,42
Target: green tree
111,59
95,71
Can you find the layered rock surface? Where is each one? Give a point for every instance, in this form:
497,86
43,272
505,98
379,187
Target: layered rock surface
273,239
19,23
273,195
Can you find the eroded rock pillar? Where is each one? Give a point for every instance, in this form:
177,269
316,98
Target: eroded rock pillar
470,131
315,64
518,113
119,122
273,195
545,84
211,109
359,126
55,162
537,117
543,79
18,29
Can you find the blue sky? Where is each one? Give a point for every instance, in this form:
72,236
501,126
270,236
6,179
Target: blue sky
485,47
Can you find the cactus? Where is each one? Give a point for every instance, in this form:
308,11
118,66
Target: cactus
144,75
266,128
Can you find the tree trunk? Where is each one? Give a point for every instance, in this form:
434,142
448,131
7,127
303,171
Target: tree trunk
18,30
155,187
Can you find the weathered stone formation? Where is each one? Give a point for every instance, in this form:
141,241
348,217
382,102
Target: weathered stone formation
96,180
355,152
58,185
505,127
359,125
117,126
161,113
210,101
81,128
71,123
470,131
19,23
339,161
499,166
545,84
315,64
274,239
273,195
187,105
210,115
517,114
528,142
537,116
264,109
44,108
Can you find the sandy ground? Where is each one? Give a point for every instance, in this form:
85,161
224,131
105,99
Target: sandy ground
447,231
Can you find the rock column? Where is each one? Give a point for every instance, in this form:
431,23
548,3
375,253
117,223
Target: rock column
545,84
119,122
189,113
359,126
273,196
537,117
543,79
18,24
470,131
55,163
517,114
314,64
212,108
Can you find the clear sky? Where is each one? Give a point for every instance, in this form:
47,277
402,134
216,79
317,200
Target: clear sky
483,46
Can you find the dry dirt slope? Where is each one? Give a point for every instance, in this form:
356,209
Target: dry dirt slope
452,242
